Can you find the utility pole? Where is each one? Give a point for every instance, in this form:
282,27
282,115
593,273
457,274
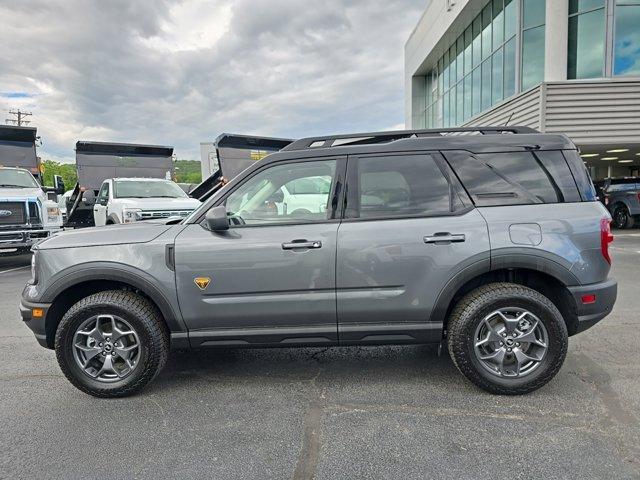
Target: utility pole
19,120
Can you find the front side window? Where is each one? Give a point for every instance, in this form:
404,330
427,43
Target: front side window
287,193
399,186
104,191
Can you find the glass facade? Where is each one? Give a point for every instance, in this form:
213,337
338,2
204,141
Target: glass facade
501,52
478,69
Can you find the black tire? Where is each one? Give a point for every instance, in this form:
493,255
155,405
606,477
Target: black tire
470,312
145,320
621,217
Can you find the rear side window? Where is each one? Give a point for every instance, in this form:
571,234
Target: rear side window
516,178
398,186
581,175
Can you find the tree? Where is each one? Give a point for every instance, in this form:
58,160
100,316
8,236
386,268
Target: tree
188,171
66,170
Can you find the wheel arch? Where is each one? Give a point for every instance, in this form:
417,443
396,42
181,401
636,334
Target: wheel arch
73,286
542,275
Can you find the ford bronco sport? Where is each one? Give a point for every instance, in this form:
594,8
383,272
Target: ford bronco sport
489,240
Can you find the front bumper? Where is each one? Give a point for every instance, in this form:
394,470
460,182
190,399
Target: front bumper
591,313
36,324
10,239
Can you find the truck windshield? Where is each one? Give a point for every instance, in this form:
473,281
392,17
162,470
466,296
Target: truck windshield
17,179
147,189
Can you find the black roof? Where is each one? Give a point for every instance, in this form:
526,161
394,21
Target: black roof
10,133
474,140
123,148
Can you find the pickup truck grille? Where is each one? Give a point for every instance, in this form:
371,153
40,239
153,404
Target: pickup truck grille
151,214
12,213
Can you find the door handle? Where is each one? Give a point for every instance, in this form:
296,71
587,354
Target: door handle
302,244
445,238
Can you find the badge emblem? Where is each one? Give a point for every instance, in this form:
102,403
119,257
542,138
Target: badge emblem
202,282
5,213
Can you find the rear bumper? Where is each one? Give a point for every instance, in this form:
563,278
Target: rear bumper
37,325
591,313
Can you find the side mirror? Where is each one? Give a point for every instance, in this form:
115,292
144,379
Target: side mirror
58,184
89,198
216,219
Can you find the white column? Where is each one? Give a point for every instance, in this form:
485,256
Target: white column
556,40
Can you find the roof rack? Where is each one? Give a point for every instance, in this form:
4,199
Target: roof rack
391,136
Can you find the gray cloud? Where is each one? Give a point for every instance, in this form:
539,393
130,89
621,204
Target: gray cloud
179,73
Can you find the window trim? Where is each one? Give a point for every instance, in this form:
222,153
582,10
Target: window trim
352,193
336,193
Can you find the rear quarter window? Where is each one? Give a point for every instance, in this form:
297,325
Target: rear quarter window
515,178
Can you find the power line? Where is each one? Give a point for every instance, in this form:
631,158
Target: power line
19,120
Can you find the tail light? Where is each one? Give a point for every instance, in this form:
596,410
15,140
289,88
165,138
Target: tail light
606,237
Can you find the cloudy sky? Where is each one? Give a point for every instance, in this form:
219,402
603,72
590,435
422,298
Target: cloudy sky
181,72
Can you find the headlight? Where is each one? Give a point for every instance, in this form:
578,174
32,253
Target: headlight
53,214
130,215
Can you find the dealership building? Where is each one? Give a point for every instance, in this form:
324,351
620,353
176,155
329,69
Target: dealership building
568,66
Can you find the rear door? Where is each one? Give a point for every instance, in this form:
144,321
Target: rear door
271,277
408,229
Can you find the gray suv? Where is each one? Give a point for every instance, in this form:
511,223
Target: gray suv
490,241
622,198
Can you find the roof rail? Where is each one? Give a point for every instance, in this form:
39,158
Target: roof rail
391,136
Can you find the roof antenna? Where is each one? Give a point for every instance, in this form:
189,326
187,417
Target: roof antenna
508,119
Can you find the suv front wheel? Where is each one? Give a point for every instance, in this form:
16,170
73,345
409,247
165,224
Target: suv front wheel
111,344
507,339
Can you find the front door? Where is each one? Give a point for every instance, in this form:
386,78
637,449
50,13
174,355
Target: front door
271,277
100,207
408,229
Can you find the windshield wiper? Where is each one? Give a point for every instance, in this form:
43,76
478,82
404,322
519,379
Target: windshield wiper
13,186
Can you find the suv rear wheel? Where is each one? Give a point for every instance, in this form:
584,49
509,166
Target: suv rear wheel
507,339
622,218
111,344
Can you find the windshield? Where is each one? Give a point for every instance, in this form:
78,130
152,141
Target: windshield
17,179
147,189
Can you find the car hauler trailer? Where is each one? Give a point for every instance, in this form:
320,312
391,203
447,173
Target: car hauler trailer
26,214
98,161
229,155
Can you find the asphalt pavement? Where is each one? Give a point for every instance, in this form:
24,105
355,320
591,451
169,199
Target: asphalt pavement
343,413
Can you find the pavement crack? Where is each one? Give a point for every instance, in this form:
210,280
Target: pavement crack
310,451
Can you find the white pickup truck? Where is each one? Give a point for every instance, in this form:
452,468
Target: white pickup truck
126,200
26,215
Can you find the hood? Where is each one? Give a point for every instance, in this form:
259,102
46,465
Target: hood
21,193
160,203
119,234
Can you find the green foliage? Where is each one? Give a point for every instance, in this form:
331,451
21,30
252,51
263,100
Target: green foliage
188,171
66,170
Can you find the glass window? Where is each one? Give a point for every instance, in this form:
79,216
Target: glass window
477,41
497,70
510,18
533,13
476,95
403,185
532,57
486,84
510,68
440,77
104,191
576,6
460,58
17,178
498,24
486,32
514,178
467,50
289,193
446,69
445,112
586,45
459,103
627,39
467,98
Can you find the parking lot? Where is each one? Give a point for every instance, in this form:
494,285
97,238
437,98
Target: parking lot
372,412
